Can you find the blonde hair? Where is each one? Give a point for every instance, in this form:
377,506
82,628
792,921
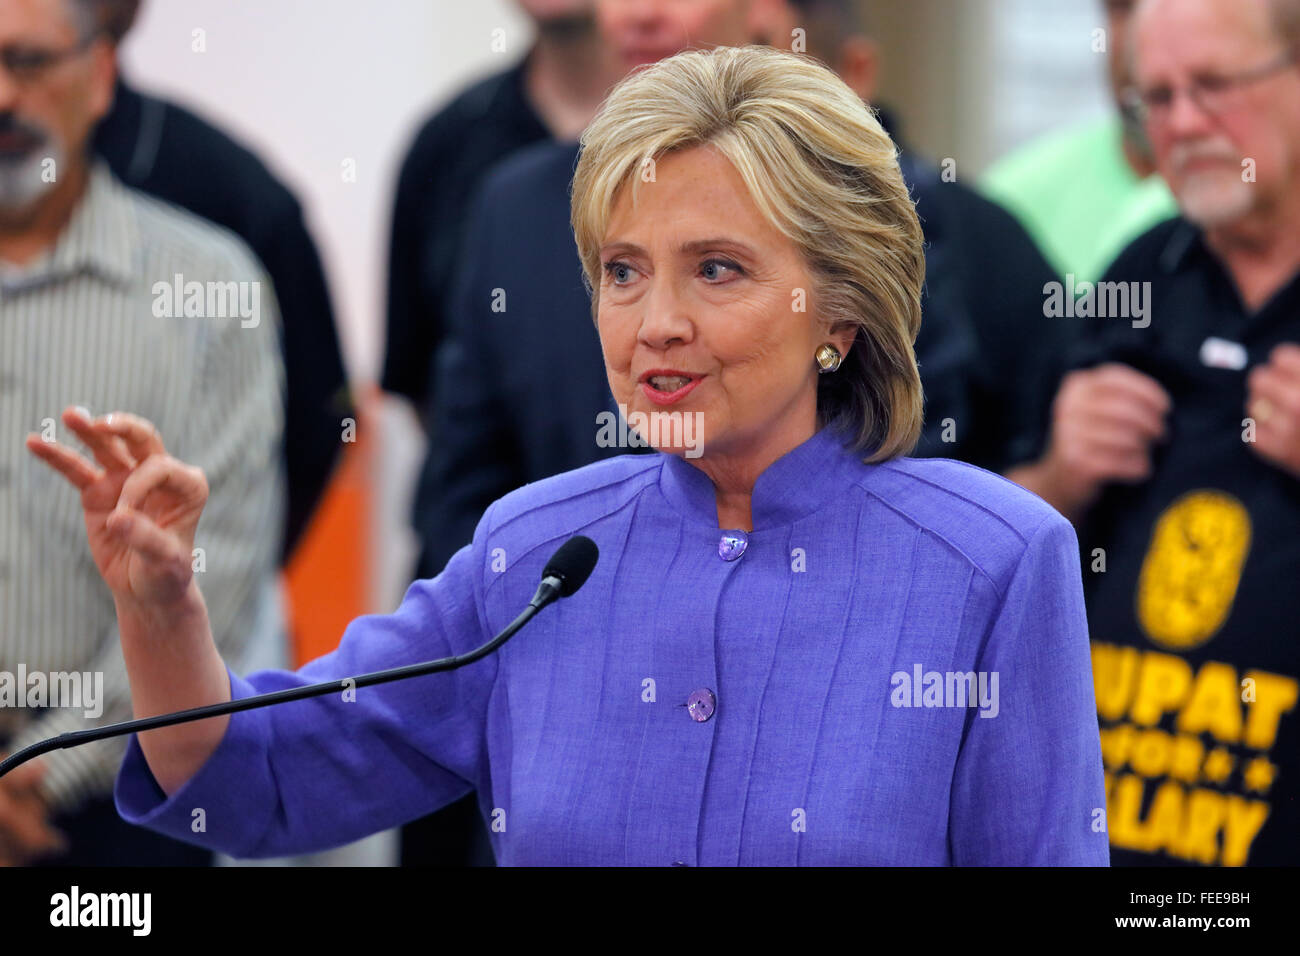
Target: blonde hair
822,170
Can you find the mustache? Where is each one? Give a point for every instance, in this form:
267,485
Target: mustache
1183,154
12,124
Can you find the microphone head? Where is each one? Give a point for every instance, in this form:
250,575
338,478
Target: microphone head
572,563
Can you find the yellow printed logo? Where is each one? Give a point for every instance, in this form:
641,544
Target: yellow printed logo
1192,748
1190,574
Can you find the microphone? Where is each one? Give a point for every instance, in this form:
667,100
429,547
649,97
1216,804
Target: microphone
568,570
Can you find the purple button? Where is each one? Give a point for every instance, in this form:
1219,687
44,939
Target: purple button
701,704
732,545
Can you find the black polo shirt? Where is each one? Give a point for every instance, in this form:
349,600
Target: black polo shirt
1195,619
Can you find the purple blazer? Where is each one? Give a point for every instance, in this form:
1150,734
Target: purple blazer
891,668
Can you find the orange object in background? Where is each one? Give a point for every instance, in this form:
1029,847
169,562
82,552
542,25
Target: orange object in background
327,581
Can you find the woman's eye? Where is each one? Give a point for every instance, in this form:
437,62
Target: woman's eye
612,270
710,268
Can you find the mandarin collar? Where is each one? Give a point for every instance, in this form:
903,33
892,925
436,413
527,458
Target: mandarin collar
795,485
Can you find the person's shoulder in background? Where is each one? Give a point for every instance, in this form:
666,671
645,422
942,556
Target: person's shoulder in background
530,176
1030,164
487,120
494,100
164,149
520,211
1155,251
445,160
173,237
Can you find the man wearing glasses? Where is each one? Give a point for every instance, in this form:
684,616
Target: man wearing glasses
82,322
1087,190
1175,447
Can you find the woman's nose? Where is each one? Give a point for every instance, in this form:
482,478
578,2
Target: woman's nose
666,319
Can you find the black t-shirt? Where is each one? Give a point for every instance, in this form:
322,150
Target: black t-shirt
1195,619
448,158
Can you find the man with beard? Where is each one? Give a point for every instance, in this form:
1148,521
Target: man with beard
1087,191
89,317
1175,447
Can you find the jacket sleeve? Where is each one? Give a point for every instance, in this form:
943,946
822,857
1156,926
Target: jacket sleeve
318,773
1028,788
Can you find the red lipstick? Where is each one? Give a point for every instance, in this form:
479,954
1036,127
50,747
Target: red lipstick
668,398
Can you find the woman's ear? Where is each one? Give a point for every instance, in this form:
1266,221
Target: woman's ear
843,337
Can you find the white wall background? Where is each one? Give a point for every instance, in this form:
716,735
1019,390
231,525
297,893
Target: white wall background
308,83
973,79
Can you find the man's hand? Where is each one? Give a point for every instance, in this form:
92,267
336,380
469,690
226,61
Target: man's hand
25,831
1273,401
1104,421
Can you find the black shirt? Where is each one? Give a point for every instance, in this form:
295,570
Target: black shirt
449,156
168,152
989,359
1195,620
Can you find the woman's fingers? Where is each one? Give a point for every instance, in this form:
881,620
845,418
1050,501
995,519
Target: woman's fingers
65,461
109,450
159,472
119,441
139,534
139,434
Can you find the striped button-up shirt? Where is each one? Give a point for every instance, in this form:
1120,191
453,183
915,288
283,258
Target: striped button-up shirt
98,322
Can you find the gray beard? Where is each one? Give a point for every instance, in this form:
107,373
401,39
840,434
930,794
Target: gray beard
23,181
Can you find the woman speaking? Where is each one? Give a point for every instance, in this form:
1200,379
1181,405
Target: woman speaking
799,647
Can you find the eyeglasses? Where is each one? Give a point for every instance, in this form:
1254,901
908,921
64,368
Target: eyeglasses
1212,93
27,64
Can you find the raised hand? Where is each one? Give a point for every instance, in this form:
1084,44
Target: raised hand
141,506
